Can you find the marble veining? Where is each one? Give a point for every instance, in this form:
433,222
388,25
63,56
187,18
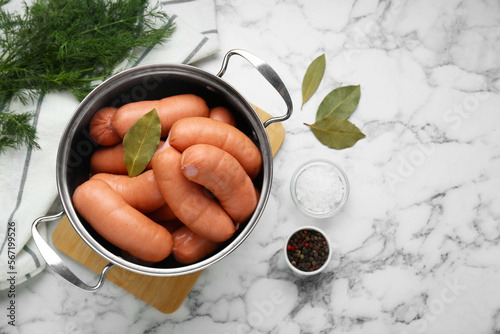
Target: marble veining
416,246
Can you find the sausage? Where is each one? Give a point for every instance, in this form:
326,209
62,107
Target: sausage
140,192
121,224
190,247
162,214
169,109
100,127
109,159
222,114
189,201
223,176
199,130
172,225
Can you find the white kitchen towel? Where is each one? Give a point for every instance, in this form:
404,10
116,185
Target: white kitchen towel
28,177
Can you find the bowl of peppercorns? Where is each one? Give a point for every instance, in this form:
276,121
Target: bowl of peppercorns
307,250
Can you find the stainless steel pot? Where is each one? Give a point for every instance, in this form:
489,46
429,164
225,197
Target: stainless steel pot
153,82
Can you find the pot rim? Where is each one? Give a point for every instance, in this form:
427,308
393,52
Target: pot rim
74,126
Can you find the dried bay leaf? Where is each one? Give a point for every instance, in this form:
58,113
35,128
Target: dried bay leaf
331,126
141,141
336,133
312,78
340,103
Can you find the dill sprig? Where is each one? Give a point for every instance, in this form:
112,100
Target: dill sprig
16,131
74,45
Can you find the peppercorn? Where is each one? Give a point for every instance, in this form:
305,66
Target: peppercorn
307,250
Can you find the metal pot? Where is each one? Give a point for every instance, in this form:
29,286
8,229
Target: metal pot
150,83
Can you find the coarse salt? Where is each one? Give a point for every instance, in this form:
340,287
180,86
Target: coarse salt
320,188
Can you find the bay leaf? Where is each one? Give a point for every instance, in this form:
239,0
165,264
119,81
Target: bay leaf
141,141
340,102
336,133
312,78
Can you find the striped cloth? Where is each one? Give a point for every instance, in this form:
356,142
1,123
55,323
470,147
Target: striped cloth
28,177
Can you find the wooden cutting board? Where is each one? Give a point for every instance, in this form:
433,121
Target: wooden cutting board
166,294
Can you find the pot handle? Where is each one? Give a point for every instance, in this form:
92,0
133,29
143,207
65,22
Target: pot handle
269,74
57,264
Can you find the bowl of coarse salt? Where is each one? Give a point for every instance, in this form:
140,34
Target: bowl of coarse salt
319,188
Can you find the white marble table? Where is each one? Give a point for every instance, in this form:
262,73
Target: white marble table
417,245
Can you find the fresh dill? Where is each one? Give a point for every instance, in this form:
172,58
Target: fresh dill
57,45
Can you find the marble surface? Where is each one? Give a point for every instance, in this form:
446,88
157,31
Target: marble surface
415,248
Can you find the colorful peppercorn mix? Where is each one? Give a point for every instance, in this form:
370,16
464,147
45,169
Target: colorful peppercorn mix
307,250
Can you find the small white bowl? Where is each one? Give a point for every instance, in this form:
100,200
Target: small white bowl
319,188
317,270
